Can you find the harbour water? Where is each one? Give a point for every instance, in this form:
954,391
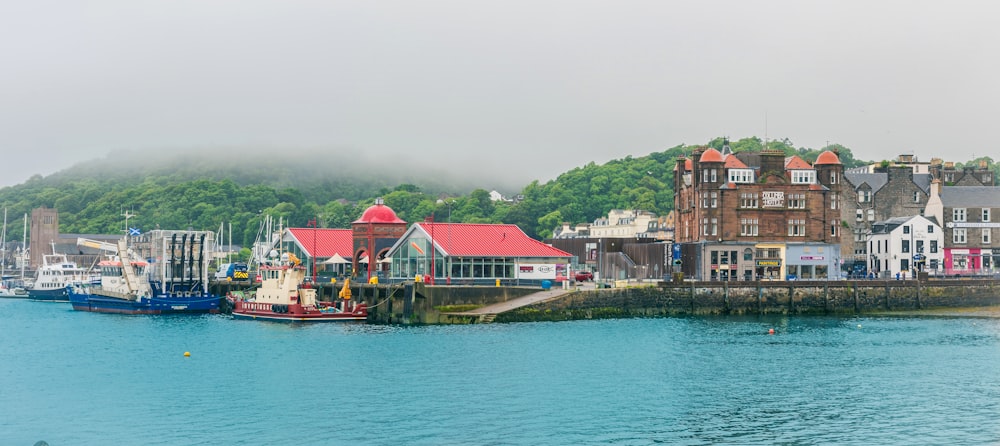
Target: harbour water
75,378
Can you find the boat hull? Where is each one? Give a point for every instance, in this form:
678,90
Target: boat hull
296,313
157,305
53,295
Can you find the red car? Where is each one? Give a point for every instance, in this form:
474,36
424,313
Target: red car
583,276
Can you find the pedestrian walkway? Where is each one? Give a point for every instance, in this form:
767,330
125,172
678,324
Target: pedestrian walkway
488,313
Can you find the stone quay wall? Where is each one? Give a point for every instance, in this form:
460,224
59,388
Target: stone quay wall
418,304
789,298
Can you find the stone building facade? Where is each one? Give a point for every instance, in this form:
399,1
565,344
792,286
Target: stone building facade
759,215
971,227
901,189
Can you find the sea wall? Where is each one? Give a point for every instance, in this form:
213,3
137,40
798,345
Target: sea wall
418,304
715,298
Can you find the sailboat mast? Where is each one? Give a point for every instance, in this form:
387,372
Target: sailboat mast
3,244
24,247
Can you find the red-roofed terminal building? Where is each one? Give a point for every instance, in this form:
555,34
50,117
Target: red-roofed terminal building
462,252
474,254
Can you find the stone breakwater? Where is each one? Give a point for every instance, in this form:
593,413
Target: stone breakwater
415,304
742,298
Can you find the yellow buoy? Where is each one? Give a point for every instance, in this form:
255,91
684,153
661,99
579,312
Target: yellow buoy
187,354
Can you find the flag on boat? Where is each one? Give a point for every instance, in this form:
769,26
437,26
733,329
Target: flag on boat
134,232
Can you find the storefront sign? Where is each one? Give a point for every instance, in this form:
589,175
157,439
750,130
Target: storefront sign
769,263
811,258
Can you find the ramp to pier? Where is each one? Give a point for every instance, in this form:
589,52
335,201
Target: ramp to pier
487,313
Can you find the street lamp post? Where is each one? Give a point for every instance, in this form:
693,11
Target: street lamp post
314,254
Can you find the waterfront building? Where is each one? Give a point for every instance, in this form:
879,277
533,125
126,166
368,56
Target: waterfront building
885,190
970,217
329,250
757,215
875,196
373,234
903,246
626,244
444,253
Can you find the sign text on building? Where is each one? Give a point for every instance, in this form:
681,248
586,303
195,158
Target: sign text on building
772,199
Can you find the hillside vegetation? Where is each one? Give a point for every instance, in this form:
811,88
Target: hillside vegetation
185,190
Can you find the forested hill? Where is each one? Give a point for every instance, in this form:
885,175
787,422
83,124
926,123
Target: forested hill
187,190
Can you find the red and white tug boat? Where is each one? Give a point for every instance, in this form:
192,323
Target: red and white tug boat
284,296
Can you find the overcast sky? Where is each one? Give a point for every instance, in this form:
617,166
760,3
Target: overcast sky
522,89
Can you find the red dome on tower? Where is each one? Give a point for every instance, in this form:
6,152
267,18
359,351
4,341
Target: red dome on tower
827,157
711,156
379,213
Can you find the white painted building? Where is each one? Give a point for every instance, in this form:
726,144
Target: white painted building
903,245
627,223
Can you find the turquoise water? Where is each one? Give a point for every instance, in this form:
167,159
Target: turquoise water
73,378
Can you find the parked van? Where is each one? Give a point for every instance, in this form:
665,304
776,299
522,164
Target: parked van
232,271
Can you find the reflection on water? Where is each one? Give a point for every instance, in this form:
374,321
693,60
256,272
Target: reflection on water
73,378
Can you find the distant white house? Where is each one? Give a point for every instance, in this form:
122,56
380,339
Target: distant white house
627,223
905,245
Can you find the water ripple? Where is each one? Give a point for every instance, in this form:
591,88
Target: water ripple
75,378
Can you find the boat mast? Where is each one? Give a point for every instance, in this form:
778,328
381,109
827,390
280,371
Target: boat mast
3,244
24,247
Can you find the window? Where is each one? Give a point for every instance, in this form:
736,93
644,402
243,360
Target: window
930,229
864,196
958,236
833,201
803,176
986,236
871,215
744,176
859,214
715,199
833,228
904,264
920,246
906,229
916,197
748,227
986,215
834,178
704,226
934,246
709,175
958,214
704,200
748,200
796,201
796,228
906,245
715,226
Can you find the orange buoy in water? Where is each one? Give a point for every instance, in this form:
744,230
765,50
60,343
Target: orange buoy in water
770,331
186,354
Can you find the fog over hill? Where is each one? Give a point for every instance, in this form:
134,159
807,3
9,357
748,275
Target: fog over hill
296,168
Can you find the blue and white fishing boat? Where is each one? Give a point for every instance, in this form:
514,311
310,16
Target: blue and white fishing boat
160,272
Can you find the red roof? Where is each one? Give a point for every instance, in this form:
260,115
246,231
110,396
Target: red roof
486,240
795,163
328,241
711,156
732,162
827,157
379,213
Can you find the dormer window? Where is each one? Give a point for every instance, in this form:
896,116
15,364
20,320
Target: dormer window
742,176
803,176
